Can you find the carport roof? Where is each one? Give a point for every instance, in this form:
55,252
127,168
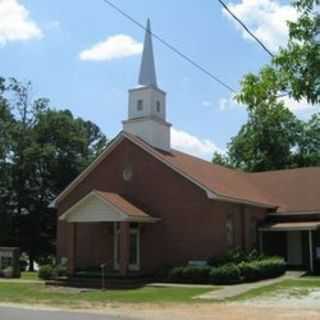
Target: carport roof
291,226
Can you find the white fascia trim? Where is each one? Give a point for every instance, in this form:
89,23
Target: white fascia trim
292,213
142,219
289,229
241,201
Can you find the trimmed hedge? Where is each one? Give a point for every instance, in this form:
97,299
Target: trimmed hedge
190,274
47,272
230,273
235,256
262,269
226,274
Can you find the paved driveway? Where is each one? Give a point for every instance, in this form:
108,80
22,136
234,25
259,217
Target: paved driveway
26,314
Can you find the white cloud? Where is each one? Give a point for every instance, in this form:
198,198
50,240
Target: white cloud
228,103
16,24
299,107
114,47
267,19
206,103
186,142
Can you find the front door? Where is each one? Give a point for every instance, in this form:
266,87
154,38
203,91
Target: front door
294,248
134,252
134,247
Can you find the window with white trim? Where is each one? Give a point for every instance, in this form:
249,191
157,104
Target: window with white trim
229,231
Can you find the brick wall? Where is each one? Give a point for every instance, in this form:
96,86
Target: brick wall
192,226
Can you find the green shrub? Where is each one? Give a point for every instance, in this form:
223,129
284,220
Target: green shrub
190,274
194,274
226,274
235,256
61,270
163,272
262,269
252,267
47,272
176,274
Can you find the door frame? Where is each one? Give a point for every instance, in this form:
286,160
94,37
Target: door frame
116,234
294,248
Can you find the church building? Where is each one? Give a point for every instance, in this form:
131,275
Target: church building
141,205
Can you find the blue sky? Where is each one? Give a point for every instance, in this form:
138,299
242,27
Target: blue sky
42,41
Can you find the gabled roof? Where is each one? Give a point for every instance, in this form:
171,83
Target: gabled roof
225,183
286,190
100,206
294,190
122,204
217,181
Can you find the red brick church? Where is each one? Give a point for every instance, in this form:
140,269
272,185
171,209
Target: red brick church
142,205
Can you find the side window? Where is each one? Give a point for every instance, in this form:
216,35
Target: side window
229,231
158,106
253,231
6,262
140,105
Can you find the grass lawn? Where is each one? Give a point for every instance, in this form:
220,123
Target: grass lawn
29,276
295,287
40,294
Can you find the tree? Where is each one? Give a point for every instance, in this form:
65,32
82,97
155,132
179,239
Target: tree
48,149
308,146
298,64
6,125
273,138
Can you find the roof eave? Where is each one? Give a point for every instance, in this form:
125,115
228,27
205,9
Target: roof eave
211,194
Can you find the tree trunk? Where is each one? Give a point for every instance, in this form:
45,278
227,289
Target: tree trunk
31,264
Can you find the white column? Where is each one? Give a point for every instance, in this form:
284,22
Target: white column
310,250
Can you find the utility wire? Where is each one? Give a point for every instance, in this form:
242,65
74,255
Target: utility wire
171,47
281,95
246,28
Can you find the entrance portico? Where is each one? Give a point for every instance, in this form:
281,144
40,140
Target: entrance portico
296,238
126,218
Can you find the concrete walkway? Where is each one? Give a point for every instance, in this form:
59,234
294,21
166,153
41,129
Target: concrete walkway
237,289
179,285
7,313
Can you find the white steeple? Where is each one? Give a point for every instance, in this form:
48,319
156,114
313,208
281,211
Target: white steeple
147,103
147,76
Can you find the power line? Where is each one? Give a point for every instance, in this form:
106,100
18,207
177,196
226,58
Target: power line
281,95
246,28
171,47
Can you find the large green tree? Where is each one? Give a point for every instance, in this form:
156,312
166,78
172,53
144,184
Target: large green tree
273,138
298,64
6,125
46,150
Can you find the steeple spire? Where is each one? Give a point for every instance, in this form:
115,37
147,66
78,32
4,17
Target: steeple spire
147,75
147,103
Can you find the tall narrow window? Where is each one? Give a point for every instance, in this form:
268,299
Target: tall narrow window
229,231
253,231
140,105
158,106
